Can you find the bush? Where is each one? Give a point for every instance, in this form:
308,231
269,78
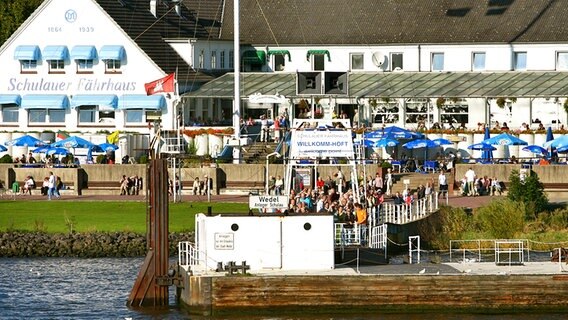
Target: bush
448,224
143,159
501,219
556,220
530,192
6,159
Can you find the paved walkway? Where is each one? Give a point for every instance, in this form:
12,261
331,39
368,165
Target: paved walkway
454,201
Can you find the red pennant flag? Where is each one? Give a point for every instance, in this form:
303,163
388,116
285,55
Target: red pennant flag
165,84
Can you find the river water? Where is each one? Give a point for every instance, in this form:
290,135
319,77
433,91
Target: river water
70,288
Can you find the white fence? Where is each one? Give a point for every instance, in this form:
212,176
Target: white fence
188,256
406,213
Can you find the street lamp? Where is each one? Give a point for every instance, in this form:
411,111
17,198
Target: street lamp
267,177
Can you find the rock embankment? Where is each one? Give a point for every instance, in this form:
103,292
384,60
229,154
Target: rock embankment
84,245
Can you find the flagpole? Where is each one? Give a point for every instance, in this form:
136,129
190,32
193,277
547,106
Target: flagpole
237,95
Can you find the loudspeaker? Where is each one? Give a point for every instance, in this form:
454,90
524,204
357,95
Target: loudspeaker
336,83
309,83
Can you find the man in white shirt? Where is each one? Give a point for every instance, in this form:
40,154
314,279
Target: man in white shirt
470,179
263,129
442,184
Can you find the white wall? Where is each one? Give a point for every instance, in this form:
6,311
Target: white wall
91,27
268,242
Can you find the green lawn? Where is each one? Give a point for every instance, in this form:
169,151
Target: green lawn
85,216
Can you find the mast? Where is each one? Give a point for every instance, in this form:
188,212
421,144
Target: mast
237,95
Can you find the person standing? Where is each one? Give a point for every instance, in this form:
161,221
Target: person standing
51,186
276,130
263,129
470,179
442,184
388,181
361,215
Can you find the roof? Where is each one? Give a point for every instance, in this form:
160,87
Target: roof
371,22
200,20
251,83
404,85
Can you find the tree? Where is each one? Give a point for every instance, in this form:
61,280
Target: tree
13,13
529,190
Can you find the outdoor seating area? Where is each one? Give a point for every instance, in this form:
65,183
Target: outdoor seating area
396,143
59,154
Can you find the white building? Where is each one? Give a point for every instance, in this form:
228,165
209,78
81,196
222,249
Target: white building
81,65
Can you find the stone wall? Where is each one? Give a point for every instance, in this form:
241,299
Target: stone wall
84,245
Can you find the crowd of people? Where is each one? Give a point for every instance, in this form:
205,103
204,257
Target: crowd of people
472,185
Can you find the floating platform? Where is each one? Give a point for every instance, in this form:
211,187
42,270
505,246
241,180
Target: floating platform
472,287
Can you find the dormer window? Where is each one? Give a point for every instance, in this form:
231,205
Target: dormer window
84,57
113,56
56,57
28,57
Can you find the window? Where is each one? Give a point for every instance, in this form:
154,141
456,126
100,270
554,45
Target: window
437,61
28,65
318,62
93,115
396,61
201,60
231,59
112,66
454,111
10,113
213,59
478,63
222,60
384,110
357,61
56,66
84,65
46,116
134,116
562,61
279,62
519,61
417,110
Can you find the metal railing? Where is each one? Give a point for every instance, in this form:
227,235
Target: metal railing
347,234
408,212
485,250
188,256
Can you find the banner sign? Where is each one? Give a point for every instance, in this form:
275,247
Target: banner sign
268,202
321,143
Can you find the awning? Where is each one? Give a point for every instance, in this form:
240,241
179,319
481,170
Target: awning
254,57
10,99
45,101
27,53
281,52
318,52
112,53
142,101
106,100
55,53
84,53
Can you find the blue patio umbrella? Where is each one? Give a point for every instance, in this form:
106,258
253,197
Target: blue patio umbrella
2,148
421,143
57,151
535,149
442,142
549,135
393,132
557,143
42,149
73,142
505,139
108,147
26,141
385,142
482,146
562,149
486,154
